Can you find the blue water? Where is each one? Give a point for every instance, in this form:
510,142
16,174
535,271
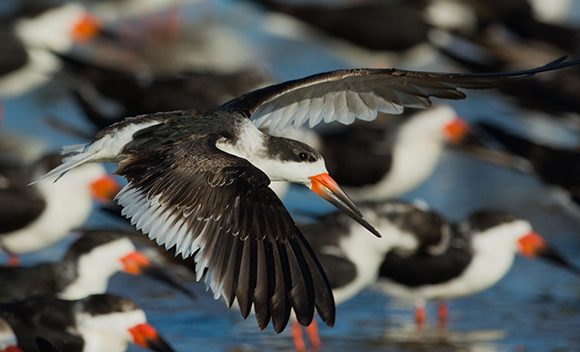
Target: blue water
536,307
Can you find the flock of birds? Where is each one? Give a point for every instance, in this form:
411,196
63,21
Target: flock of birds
208,155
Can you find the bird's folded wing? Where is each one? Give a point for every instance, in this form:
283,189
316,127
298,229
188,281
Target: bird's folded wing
185,192
19,207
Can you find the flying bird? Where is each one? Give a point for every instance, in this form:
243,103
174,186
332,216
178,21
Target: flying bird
199,180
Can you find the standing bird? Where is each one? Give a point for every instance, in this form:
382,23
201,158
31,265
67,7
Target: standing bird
32,218
85,269
350,257
455,261
95,323
199,180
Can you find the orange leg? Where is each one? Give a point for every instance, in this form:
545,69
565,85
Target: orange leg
297,337
420,315
442,314
312,332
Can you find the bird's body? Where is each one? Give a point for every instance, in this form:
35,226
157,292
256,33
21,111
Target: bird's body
473,256
199,180
93,324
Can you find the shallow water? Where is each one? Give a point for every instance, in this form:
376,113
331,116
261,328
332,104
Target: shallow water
536,307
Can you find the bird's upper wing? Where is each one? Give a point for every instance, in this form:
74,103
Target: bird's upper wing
185,192
346,95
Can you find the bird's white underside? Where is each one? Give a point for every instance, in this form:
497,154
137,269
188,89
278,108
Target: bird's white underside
7,337
68,204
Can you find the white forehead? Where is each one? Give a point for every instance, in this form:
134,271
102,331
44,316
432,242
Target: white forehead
115,323
114,249
510,231
437,115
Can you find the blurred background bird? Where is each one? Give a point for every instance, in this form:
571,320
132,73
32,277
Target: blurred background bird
94,323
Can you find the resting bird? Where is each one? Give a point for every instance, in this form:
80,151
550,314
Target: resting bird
32,218
96,323
85,269
451,261
199,180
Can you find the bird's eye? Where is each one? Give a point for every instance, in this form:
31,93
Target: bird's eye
303,156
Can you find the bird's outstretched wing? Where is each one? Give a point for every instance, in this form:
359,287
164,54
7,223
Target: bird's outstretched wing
185,192
346,95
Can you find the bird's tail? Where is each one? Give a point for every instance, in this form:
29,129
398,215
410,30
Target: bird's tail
73,156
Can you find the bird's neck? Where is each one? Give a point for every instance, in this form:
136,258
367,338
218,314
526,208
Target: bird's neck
247,143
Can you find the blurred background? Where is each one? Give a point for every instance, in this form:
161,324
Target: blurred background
144,56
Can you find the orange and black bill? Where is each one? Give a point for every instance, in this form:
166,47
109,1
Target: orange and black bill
327,188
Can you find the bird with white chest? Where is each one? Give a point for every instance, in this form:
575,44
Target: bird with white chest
199,180
458,260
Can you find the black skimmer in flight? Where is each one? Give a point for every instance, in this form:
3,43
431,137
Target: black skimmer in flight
199,180
30,40
376,161
85,269
35,217
95,323
8,341
451,261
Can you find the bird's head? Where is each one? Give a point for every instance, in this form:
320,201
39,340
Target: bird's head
120,321
292,161
505,231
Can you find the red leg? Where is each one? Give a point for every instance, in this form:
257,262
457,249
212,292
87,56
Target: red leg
442,314
13,260
297,337
12,349
312,332
420,315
